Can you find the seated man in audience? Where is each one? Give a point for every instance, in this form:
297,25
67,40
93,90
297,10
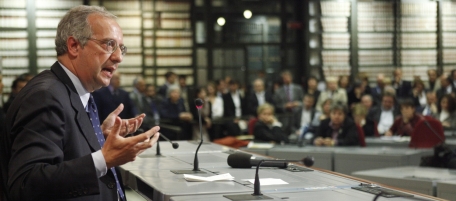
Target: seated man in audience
332,91
403,125
433,83
305,115
233,107
445,87
377,91
173,112
138,93
152,103
338,130
17,85
430,109
258,97
367,102
311,89
267,128
403,88
385,113
170,82
110,97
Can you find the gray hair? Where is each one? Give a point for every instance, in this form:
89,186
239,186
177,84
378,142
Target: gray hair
171,89
75,24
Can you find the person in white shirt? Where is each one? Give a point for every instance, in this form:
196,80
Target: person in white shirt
430,109
384,114
258,97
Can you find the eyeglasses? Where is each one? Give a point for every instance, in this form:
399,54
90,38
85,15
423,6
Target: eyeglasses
111,45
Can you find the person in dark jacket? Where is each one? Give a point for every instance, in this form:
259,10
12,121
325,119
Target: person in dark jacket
338,130
267,128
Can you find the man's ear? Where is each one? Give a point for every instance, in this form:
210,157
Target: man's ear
73,46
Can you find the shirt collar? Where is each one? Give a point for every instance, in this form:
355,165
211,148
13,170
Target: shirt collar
84,95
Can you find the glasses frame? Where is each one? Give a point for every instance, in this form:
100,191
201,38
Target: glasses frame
123,48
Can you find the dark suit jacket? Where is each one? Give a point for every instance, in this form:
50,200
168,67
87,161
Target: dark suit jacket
229,109
404,89
297,120
348,134
263,132
169,110
252,102
49,139
107,102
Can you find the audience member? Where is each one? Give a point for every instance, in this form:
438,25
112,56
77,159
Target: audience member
216,101
137,95
16,86
205,112
344,83
433,83
430,109
173,112
152,102
452,77
307,114
311,89
267,128
445,87
355,94
377,91
385,113
332,92
186,92
170,78
288,100
404,124
110,97
338,130
258,97
220,85
446,111
359,113
364,78
234,106
402,87
367,102
418,94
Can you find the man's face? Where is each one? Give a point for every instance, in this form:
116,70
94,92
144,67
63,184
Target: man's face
432,75
332,86
286,78
95,66
150,91
308,102
387,102
312,84
234,87
337,117
431,98
366,102
172,79
397,74
182,82
141,86
258,86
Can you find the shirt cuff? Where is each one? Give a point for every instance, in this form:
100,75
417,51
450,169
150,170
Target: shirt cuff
100,163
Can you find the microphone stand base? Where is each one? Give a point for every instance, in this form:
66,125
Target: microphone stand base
247,197
188,172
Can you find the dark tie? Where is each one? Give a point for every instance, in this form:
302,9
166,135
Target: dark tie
92,111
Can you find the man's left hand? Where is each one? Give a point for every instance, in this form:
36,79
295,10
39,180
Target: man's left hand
129,126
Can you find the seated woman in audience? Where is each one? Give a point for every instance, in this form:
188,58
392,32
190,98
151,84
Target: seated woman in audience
216,101
267,128
172,111
359,113
446,111
418,93
338,130
403,125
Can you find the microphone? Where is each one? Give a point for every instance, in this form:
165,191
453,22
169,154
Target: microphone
244,160
199,104
158,153
247,159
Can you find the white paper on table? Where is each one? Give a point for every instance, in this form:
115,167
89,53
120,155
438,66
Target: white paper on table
221,177
268,181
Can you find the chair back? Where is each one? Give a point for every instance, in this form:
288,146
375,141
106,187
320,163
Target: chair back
361,136
251,125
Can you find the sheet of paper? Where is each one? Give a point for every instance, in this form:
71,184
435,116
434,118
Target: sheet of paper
221,177
268,181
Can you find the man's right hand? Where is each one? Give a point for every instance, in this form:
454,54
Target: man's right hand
118,150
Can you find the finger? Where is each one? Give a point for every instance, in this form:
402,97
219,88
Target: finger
126,128
118,110
145,136
116,128
148,144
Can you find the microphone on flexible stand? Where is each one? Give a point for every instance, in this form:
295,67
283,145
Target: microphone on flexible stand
246,161
199,104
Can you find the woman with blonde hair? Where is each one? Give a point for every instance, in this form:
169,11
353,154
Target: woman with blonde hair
267,128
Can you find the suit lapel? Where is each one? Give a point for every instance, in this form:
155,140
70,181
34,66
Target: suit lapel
81,118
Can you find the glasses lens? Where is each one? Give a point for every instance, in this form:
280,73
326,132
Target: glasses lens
123,49
111,46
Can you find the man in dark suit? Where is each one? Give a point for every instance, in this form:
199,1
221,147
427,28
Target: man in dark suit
403,88
52,150
108,98
384,114
258,97
233,107
170,81
288,100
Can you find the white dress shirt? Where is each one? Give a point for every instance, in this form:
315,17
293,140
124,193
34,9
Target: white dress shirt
237,103
386,121
261,97
84,95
